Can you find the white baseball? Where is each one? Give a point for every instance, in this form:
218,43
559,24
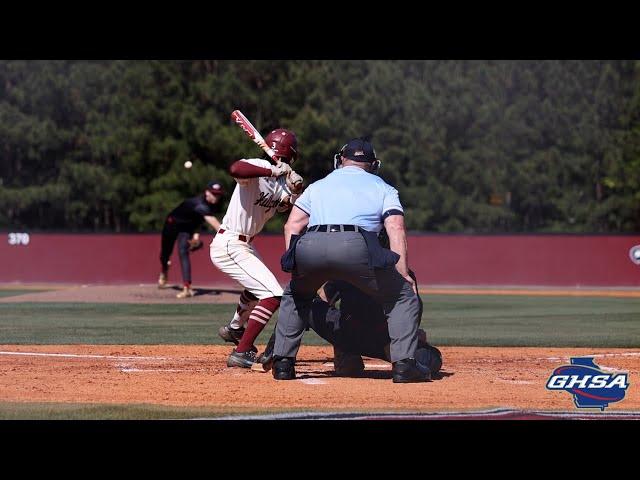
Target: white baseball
188,164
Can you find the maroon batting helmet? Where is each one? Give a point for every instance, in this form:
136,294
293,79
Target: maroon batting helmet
284,143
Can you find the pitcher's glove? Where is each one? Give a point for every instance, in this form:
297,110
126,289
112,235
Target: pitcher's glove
295,182
195,244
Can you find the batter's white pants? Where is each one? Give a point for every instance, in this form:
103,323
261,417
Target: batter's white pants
243,263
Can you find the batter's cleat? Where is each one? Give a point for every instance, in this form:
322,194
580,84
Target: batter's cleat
283,368
231,335
347,364
243,360
162,280
406,371
186,293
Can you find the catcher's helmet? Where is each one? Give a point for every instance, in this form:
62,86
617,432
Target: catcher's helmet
429,357
284,143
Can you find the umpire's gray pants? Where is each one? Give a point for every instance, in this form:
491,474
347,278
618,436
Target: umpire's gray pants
323,256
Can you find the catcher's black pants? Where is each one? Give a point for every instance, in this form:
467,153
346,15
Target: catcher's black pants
169,236
358,334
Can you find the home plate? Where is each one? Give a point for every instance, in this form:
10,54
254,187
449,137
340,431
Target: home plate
313,381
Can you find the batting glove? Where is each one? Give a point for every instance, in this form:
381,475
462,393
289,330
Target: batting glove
281,168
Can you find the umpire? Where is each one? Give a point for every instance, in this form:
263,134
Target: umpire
343,214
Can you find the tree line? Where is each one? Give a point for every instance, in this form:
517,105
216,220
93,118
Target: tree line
472,146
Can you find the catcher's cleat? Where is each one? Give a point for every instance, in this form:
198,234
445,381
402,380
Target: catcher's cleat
347,364
407,371
186,293
162,280
264,361
283,369
231,335
243,360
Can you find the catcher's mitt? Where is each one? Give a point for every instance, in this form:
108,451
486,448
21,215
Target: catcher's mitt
294,182
195,244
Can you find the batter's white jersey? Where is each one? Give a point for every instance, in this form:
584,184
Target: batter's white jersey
254,201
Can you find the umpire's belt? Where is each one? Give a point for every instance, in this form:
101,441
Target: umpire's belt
242,238
335,228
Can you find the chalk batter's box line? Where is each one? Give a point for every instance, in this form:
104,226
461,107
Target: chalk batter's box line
496,414
74,355
125,368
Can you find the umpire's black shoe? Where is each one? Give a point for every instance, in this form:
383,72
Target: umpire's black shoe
406,371
283,368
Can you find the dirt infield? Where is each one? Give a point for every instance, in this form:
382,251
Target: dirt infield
124,294
473,378
149,293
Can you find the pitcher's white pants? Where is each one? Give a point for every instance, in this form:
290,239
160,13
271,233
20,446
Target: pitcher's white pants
243,263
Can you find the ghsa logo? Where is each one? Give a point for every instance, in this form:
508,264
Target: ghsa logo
590,386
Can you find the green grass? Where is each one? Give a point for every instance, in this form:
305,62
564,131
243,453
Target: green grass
101,323
490,320
13,293
74,411
448,319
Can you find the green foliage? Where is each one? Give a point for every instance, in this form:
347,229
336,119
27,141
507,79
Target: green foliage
472,146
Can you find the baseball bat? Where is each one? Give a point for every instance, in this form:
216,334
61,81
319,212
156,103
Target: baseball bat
244,123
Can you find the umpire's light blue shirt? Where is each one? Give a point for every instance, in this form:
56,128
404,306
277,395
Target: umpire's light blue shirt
349,196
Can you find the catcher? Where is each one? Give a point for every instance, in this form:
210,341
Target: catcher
182,225
358,328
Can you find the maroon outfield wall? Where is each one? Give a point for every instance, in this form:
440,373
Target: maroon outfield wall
545,260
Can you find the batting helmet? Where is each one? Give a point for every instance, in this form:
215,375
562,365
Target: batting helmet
284,143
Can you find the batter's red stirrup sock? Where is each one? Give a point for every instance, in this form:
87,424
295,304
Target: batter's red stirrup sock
259,317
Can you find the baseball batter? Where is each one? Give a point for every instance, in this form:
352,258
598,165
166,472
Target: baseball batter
261,191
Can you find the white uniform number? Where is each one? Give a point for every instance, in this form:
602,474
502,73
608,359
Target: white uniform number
18,239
